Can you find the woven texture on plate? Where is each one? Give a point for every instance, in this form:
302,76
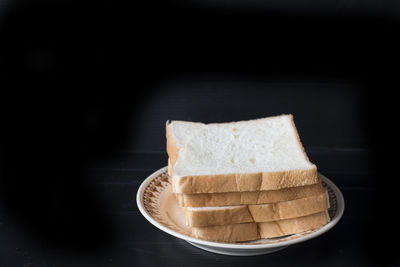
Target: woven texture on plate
161,183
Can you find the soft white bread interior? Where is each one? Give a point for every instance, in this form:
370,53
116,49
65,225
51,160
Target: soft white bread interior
246,198
254,231
212,216
262,154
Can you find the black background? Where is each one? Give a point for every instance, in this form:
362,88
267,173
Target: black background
87,88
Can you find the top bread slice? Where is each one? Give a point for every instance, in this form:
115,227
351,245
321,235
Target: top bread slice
262,154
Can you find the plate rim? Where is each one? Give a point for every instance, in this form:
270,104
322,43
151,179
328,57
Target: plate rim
323,229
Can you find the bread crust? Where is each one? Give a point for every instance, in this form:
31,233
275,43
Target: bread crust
257,213
237,182
248,198
254,231
240,182
292,226
232,215
227,233
172,149
298,138
289,209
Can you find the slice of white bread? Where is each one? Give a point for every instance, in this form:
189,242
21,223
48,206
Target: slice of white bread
293,226
227,233
209,216
262,154
246,198
254,231
290,209
212,216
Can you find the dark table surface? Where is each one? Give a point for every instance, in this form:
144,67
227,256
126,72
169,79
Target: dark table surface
136,242
69,194
72,158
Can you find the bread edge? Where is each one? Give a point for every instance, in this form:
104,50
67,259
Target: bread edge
238,182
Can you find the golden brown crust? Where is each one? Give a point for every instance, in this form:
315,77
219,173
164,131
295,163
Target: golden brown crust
237,214
248,198
257,213
227,233
239,182
292,226
254,231
289,209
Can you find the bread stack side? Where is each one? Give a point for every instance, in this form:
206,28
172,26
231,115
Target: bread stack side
207,216
247,231
246,180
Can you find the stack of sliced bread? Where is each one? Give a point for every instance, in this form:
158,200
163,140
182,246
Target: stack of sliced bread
246,180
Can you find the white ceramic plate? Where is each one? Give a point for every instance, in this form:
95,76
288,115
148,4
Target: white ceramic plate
158,205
